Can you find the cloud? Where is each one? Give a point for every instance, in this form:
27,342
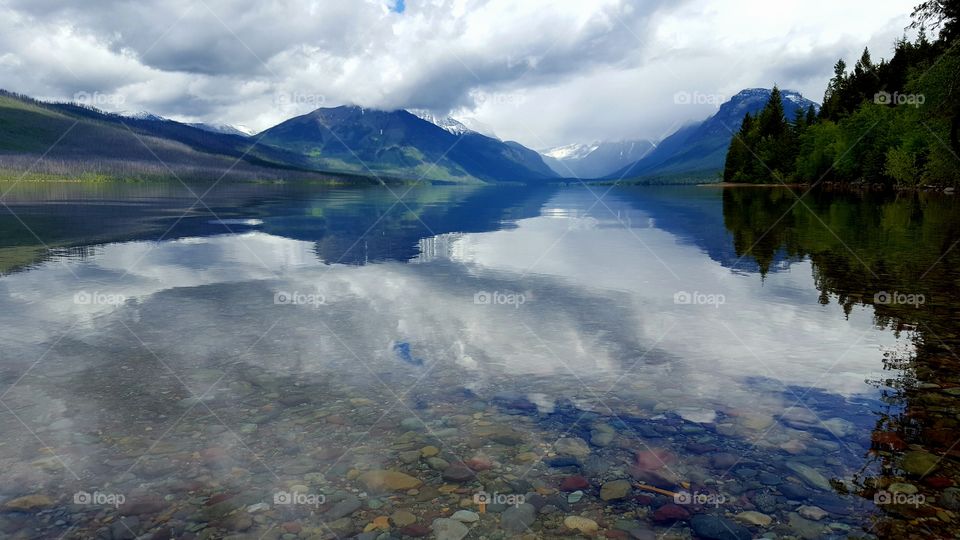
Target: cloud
603,69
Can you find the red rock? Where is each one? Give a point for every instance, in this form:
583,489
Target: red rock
644,500
887,440
218,498
616,534
416,530
654,459
480,463
574,483
292,527
669,513
938,482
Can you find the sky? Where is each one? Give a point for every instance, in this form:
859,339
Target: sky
541,72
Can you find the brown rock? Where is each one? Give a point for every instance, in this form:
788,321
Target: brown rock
381,480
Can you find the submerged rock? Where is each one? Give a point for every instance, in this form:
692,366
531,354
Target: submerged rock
449,529
718,528
809,475
465,516
754,518
919,463
518,519
28,503
584,525
572,446
382,480
618,489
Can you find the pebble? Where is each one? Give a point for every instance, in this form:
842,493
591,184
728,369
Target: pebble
602,435
437,464
344,508
919,463
449,529
402,518
458,473
575,497
28,503
812,512
465,516
809,475
416,530
572,446
950,498
718,528
383,480
899,487
615,490
754,518
574,483
670,513
518,519
584,525
429,451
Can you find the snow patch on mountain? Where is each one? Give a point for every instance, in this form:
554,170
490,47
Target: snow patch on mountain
571,151
443,122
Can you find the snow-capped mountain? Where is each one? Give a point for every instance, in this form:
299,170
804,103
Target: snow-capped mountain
446,122
143,115
571,151
226,129
596,159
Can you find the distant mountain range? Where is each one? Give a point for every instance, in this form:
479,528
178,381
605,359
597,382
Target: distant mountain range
352,143
595,160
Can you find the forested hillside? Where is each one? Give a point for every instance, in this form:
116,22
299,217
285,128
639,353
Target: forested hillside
894,122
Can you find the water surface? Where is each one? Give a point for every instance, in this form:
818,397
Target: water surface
783,365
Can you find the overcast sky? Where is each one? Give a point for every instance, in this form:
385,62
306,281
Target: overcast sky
543,72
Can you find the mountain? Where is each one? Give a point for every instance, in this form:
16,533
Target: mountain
398,143
226,129
65,139
595,160
696,152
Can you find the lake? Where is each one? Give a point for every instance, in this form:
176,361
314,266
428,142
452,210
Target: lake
281,361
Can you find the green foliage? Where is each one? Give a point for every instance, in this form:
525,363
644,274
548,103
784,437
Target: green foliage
765,148
895,122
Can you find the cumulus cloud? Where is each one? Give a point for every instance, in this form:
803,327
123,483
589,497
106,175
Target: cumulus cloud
542,72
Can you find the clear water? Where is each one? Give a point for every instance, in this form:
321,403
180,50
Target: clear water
174,368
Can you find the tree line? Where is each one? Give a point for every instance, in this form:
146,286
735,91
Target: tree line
895,123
